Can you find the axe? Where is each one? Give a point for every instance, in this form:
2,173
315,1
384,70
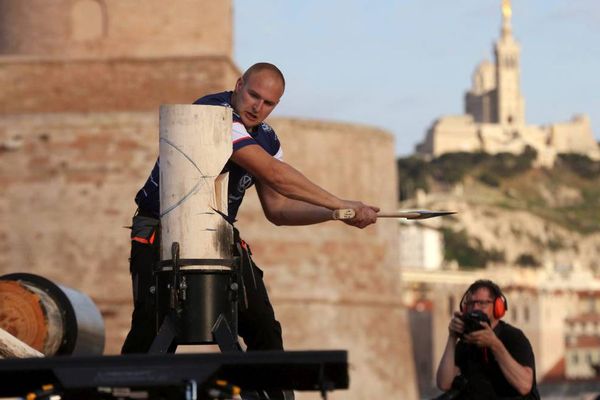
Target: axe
349,213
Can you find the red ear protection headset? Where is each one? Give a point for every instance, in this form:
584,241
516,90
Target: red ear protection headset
500,302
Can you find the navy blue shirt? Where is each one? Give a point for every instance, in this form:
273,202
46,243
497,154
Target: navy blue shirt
148,197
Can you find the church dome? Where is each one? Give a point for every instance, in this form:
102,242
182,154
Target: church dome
484,77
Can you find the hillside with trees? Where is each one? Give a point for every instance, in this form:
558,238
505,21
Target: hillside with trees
510,211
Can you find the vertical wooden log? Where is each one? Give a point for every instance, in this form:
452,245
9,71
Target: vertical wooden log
195,144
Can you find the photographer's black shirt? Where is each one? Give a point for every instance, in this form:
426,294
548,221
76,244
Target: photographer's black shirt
483,374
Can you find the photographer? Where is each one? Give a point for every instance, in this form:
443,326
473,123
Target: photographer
490,358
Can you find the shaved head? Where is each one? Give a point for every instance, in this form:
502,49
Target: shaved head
257,93
263,66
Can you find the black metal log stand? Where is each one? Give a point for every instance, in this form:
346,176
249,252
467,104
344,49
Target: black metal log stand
204,314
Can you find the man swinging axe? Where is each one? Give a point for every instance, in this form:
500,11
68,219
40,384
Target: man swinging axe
286,195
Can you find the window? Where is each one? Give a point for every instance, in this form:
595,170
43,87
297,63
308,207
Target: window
88,20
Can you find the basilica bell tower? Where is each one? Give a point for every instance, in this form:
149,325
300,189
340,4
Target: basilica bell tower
510,104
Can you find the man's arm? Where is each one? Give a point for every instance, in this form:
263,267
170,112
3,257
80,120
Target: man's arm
519,376
447,369
283,211
290,190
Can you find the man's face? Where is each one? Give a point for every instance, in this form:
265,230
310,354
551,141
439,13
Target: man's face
482,299
255,97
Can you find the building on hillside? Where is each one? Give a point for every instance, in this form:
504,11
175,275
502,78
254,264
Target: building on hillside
556,306
420,246
582,338
494,119
582,356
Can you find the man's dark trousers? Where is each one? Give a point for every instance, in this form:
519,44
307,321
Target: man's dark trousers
256,319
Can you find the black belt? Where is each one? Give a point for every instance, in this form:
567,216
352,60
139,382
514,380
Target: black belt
184,262
144,213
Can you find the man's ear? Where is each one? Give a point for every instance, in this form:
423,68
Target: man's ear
239,84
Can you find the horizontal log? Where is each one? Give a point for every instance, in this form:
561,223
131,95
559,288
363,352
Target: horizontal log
11,347
22,313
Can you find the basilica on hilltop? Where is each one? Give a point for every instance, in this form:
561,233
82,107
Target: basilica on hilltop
494,119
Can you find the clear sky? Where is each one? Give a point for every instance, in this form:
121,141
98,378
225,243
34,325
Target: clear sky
400,64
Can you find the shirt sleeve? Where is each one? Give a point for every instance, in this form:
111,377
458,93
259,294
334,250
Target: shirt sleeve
240,136
279,154
519,347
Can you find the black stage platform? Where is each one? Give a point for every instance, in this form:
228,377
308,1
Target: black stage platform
174,375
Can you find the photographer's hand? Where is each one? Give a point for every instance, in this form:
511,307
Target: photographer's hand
456,326
484,337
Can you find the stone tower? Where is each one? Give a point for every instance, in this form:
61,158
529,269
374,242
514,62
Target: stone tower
111,29
510,103
495,95
107,55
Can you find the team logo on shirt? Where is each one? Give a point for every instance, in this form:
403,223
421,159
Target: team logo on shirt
244,183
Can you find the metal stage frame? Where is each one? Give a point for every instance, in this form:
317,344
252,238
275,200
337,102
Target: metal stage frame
173,376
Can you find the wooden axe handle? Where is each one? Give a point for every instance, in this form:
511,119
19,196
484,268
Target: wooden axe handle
344,213
349,213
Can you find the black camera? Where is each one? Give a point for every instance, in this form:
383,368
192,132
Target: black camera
472,321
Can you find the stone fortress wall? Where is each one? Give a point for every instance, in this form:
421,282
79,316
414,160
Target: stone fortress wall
132,58
107,29
79,133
